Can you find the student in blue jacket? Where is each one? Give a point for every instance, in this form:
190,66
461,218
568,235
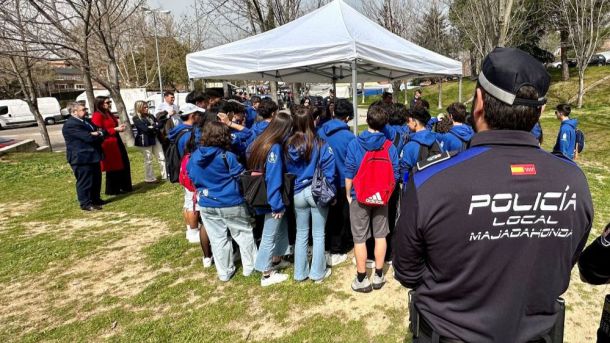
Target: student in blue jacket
537,132
215,172
232,114
338,135
304,153
252,111
267,157
266,110
566,139
409,156
361,215
458,137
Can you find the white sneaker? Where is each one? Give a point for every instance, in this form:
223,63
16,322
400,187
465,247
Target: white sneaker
273,278
370,264
192,235
207,262
335,259
326,275
290,250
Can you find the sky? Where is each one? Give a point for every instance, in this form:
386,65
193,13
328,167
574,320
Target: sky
178,7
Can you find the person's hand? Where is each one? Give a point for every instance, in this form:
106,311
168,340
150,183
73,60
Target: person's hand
277,216
224,118
349,199
95,133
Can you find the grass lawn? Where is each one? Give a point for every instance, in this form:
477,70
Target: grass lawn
128,274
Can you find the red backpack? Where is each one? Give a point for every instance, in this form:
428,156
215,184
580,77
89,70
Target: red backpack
374,181
183,177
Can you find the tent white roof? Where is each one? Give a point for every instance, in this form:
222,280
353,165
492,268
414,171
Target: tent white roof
310,47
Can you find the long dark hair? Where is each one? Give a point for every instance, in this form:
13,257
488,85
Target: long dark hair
303,131
275,133
98,104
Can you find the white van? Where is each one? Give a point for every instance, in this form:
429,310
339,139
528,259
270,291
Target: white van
17,112
129,95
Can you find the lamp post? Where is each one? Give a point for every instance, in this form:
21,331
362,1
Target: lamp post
153,12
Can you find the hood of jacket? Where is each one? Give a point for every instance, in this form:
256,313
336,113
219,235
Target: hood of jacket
207,155
174,132
333,126
571,122
259,127
424,137
465,132
371,141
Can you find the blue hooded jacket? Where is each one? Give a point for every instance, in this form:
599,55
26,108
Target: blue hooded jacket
410,152
217,185
257,129
537,131
304,170
274,178
566,139
357,148
454,139
239,141
390,132
430,124
251,115
173,133
337,134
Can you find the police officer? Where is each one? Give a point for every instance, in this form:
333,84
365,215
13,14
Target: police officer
489,255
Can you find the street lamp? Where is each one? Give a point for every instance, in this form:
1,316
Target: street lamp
153,12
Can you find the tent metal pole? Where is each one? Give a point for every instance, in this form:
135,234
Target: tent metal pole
335,80
355,96
460,90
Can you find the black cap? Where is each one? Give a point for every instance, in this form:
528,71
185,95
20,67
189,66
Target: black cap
506,70
420,113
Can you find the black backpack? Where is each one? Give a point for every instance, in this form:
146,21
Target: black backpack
426,151
173,158
580,141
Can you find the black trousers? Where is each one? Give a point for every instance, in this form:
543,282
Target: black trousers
119,180
338,228
88,183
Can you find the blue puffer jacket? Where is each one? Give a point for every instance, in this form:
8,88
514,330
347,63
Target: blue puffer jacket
453,140
304,170
566,139
410,152
367,141
217,185
337,135
173,133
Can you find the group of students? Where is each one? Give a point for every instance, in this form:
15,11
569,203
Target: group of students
219,140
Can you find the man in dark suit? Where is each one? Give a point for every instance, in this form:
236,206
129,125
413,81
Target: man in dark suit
84,153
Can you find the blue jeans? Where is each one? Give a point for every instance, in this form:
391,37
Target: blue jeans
274,242
238,223
304,206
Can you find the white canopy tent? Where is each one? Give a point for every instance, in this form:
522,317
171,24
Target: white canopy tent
332,43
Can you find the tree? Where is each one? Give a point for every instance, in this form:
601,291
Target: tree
395,16
22,56
485,24
588,25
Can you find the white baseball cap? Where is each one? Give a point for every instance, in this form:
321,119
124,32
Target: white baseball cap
187,109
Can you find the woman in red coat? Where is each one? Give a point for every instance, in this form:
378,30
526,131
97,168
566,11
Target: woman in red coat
115,162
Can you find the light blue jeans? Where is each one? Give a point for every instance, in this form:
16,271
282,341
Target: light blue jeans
304,207
274,242
239,224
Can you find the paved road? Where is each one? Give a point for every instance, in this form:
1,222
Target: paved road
32,132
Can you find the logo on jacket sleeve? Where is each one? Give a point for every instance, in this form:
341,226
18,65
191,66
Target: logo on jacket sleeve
272,157
523,169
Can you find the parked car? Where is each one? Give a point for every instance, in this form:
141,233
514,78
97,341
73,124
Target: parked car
554,65
50,110
597,60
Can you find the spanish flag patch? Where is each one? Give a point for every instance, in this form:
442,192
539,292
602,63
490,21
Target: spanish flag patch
523,169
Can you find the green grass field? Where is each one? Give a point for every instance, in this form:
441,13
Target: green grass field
127,273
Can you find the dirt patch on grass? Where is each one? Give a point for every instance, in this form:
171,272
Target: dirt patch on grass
10,210
114,270
341,302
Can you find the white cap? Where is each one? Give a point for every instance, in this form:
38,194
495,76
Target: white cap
187,109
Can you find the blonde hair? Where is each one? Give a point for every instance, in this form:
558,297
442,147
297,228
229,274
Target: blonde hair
138,107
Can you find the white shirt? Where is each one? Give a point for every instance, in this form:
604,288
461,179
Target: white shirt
175,117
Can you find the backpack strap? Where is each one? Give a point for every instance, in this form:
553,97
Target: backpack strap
396,139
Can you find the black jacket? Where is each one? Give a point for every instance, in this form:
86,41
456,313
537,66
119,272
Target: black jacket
488,237
81,146
594,263
144,134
